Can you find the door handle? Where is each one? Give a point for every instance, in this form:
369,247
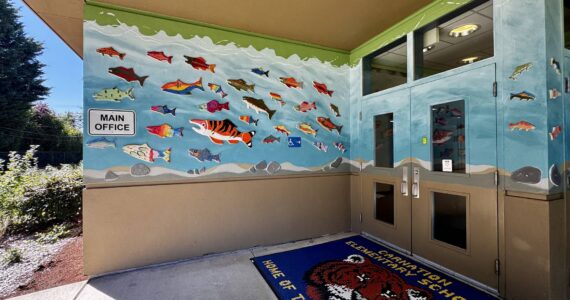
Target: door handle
416,183
404,184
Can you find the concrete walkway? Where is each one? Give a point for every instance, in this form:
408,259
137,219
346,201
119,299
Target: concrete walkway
220,276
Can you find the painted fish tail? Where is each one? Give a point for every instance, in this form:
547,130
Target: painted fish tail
338,128
122,55
179,132
330,93
169,59
225,106
224,95
142,79
314,105
165,154
212,68
255,121
247,138
173,112
271,113
131,94
217,158
513,96
199,84
251,87
266,73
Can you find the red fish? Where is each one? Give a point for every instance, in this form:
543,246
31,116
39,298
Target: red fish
199,63
111,52
327,124
306,106
322,88
291,82
127,74
214,106
522,125
555,132
160,56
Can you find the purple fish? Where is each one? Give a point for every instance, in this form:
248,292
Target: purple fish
214,106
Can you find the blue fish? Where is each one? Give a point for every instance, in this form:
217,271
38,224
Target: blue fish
204,155
163,109
260,72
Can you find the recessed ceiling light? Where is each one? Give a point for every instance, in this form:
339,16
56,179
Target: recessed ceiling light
428,48
463,30
470,60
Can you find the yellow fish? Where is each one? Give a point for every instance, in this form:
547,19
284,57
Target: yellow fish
307,128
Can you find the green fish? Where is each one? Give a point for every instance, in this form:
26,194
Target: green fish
241,85
519,70
334,108
114,94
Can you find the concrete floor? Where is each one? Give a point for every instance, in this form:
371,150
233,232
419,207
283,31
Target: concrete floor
220,276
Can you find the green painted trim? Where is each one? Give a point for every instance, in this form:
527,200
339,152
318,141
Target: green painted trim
422,17
96,11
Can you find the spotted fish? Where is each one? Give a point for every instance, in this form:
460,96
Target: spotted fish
224,130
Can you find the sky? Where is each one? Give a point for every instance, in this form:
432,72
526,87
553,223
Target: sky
63,72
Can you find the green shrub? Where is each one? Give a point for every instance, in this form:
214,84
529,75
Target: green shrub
12,256
55,233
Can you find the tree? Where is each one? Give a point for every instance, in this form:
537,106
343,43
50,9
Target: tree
21,82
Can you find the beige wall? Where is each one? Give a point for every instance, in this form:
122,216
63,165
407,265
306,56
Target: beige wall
127,227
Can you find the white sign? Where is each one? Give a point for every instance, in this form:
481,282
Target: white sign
447,165
111,122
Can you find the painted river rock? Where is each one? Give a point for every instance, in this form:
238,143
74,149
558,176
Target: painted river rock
527,174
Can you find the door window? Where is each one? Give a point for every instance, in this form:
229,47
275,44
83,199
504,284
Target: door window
448,137
450,219
384,140
384,198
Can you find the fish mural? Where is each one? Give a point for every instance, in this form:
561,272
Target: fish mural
321,146
291,82
271,139
258,105
249,120
519,70
165,130
146,153
115,94
340,146
305,106
199,63
524,95
182,88
241,85
307,128
260,72
204,155
160,56
553,94
322,88
327,124
527,174
101,143
522,125
282,129
441,136
277,98
222,131
556,130
335,110
214,106
456,112
554,175
163,109
217,90
110,51
555,65
127,74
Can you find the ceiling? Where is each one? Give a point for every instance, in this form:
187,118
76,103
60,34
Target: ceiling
336,24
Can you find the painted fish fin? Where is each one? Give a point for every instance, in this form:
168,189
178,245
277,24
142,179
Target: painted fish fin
212,68
173,111
338,128
224,95
314,105
266,73
512,96
169,59
251,87
271,113
142,79
131,94
216,141
122,55
217,158
179,132
255,121
330,93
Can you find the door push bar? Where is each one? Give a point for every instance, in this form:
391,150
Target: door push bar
416,183
404,185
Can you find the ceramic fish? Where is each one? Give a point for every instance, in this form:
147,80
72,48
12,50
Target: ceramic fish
160,56
340,146
327,124
146,153
322,88
555,132
241,85
307,128
553,94
217,89
456,112
320,146
260,72
277,98
524,95
214,106
282,129
127,74
258,106
527,174
441,136
182,88
204,155
334,109
199,63
519,70
271,139
101,143
291,82
163,109
305,106
554,175
114,94
555,65
165,130
522,125
111,52
224,130
249,120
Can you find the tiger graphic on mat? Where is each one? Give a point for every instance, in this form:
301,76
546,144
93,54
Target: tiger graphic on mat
357,278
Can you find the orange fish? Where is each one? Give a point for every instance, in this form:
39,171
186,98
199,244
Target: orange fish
277,98
199,63
327,124
111,52
555,132
224,130
522,125
160,56
291,82
322,88
165,130
282,129
305,106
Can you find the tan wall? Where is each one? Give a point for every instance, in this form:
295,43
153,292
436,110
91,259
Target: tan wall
126,227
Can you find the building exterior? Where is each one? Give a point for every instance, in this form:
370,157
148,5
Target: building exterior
443,136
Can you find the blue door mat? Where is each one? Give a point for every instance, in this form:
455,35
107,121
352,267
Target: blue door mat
356,268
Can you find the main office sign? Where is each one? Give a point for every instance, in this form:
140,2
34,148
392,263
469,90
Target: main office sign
112,122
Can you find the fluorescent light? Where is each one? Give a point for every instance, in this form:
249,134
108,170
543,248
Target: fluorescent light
463,30
470,60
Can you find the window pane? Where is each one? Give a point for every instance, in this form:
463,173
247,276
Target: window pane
384,140
567,24
450,219
448,137
460,38
384,197
385,68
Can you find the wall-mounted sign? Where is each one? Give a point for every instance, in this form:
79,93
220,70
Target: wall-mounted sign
111,122
294,141
447,165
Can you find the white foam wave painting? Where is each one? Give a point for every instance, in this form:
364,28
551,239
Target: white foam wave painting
231,62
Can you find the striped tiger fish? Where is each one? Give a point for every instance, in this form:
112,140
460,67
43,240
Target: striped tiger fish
222,130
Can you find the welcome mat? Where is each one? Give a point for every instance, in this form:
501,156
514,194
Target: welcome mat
357,268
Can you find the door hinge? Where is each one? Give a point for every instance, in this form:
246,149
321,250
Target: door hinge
360,116
496,177
494,89
497,266
360,217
